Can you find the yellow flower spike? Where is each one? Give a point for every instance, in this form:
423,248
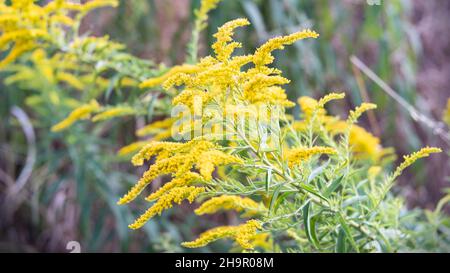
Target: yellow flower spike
263,55
184,180
131,148
171,158
242,234
309,106
118,111
202,13
373,172
82,112
228,202
210,159
71,80
174,164
298,155
15,53
329,97
355,114
410,159
364,144
222,48
185,68
176,195
262,240
154,148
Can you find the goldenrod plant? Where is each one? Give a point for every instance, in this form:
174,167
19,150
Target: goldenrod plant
318,183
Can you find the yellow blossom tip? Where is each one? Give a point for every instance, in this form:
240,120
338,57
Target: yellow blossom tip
410,159
242,234
227,202
329,97
355,114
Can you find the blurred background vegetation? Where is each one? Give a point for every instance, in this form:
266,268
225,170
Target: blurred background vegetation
76,180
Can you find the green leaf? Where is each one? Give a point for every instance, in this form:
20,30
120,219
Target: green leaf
275,197
310,226
333,186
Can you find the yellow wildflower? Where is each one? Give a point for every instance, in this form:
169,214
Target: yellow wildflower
201,14
260,88
329,97
309,106
355,114
222,47
263,55
185,179
242,234
228,202
26,24
117,111
131,148
298,155
210,159
157,126
365,145
176,159
175,195
71,80
410,159
446,115
15,53
152,82
82,112
373,172
262,240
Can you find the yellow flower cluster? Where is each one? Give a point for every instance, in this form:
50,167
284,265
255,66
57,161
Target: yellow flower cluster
24,24
299,155
364,144
86,110
330,97
222,78
82,112
410,159
446,115
229,202
132,147
180,160
175,195
263,55
242,234
152,82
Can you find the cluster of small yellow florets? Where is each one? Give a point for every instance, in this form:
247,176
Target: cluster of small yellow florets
364,145
213,77
188,163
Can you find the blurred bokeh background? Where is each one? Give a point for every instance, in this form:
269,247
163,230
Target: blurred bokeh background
67,197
